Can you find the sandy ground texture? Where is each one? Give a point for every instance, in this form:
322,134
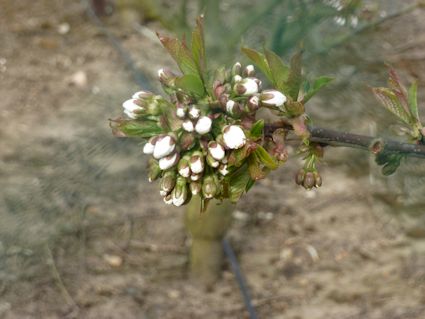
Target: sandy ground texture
83,235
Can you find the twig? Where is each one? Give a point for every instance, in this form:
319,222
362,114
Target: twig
345,139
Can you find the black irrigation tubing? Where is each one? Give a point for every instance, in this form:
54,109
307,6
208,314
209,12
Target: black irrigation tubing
143,81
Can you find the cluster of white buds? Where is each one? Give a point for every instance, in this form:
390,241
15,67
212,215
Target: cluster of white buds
191,154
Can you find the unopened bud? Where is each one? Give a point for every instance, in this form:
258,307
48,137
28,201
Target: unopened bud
317,179
169,161
164,146
142,95
299,177
181,111
212,162
203,126
196,163
195,188
309,181
216,150
237,78
168,182
179,193
183,167
232,107
132,107
272,98
234,137
223,169
253,103
195,177
249,71
166,77
187,141
209,186
149,147
168,199
194,112
154,170
188,126
247,86
236,69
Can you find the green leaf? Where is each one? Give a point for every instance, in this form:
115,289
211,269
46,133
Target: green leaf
260,60
317,85
389,162
254,168
239,181
278,70
198,46
257,129
145,129
413,101
181,54
191,84
293,84
265,158
392,103
237,157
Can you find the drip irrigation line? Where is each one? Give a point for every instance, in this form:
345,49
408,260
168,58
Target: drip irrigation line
240,279
143,81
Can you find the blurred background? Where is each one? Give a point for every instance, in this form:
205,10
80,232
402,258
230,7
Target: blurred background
84,235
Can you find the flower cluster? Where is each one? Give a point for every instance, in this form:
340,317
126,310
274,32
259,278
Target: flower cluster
205,139
192,155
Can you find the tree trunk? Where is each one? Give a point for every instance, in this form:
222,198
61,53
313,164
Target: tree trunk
207,230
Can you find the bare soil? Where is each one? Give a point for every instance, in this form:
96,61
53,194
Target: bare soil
83,235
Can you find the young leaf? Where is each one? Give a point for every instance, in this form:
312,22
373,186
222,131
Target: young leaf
132,128
254,168
257,129
278,70
181,54
392,103
198,45
265,158
192,84
413,100
260,60
293,84
317,85
239,180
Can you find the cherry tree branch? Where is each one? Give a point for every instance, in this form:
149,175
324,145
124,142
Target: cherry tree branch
346,139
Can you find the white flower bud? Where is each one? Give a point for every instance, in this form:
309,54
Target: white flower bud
247,86
168,199
179,193
148,148
161,73
142,95
216,150
194,112
223,169
196,164
195,177
188,126
236,69
130,114
164,146
250,70
272,98
230,106
183,167
234,137
203,126
237,78
130,106
169,161
180,112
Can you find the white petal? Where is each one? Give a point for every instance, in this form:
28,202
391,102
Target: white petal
223,170
194,112
181,113
249,69
130,105
148,148
178,201
234,137
278,99
230,106
130,114
195,177
161,72
197,166
168,200
167,162
250,85
217,152
141,95
203,125
164,147
185,172
188,126
237,78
